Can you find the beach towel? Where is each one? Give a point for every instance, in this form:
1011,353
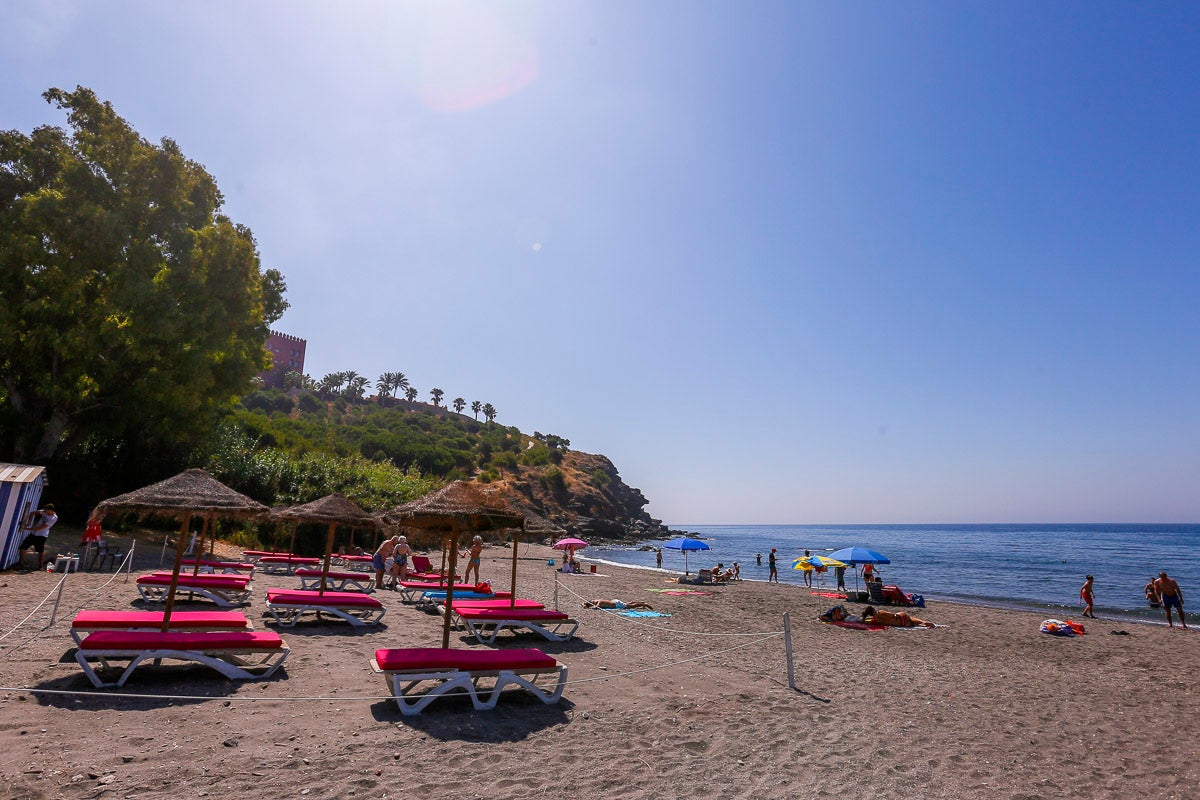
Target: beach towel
677,592
835,595
1056,627
639,613
856,625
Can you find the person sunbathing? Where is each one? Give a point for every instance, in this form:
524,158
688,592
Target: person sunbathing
617,604
897,619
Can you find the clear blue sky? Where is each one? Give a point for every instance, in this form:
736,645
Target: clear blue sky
782,262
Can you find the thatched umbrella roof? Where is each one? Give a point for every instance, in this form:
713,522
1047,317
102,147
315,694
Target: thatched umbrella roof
193,491
336,508
457,507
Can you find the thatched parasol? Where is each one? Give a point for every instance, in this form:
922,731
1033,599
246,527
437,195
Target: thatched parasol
190,492
336,509
452,510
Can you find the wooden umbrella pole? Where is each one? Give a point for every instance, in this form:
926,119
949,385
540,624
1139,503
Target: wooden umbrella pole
183,531
445,561
292,543
450,585
328,552
512,590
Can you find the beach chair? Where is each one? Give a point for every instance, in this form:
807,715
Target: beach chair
430,598
87,621
354,563
418,676
229,567
337,581
359,609
238,655
411,591
485,624
254,555
286,565
875,593
107,555
224,590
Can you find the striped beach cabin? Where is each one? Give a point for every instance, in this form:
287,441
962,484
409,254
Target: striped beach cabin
20,492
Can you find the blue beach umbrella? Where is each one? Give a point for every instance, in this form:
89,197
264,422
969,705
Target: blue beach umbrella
859,555
685,544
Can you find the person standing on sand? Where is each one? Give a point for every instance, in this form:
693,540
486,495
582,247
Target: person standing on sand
38,532
1169,594
808,573
379,559
476,554
774,576
1086,595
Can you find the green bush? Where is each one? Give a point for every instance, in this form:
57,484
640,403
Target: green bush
600,478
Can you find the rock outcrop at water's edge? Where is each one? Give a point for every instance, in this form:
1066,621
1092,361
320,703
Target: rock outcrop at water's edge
583,494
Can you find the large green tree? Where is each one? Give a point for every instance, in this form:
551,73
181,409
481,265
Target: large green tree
129,304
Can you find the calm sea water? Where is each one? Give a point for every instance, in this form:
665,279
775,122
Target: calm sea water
1025,566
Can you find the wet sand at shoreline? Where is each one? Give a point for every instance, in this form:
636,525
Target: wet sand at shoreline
694,703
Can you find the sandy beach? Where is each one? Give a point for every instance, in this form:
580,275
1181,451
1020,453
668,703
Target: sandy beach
697,703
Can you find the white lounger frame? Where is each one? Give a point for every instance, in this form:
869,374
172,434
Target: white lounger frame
486,630
365,584
286,614
225,598
413,690
234,663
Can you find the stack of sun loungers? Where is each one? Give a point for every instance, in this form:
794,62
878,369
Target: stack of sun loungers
286,564
224,590
286,606
418,676
354,563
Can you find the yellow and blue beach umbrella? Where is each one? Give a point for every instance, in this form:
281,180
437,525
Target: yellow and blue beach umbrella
812,562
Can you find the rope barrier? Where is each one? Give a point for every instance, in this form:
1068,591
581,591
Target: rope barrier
39,605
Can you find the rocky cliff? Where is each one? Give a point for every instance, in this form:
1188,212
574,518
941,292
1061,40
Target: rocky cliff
584,495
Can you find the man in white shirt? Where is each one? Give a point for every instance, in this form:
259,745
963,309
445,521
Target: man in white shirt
38,531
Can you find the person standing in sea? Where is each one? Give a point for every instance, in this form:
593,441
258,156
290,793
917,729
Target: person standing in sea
808,573
1169,594
658,556
774,576
1086,594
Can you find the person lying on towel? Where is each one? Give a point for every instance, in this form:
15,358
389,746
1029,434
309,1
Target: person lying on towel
838,614
618,604
898,619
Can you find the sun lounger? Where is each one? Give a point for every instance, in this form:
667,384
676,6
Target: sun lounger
521,603
232,653
337,581
485,624
86,622
418,676
411,590
288,605
224,590
232,567
254,555
355,563
432,597
286,565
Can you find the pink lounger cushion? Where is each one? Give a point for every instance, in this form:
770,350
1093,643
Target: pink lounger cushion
520,602
262,553
517,614
205,581
437,658
182,640
179,619
294,597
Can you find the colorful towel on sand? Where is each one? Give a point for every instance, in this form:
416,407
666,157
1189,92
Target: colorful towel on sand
639,613
837,595
858,626
677,592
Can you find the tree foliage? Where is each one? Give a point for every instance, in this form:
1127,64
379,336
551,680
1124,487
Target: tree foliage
129,305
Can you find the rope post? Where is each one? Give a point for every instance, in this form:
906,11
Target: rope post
787,643
58,599
129,559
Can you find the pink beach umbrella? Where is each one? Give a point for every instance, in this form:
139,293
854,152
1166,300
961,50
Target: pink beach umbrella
570,545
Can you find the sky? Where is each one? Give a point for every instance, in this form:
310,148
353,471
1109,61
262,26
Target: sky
785,262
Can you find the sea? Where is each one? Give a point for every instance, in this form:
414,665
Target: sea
1031,567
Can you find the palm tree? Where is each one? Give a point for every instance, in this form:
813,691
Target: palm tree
331,384
384,385
476,406
399,383
489,411
459,405
437,395
410,393
355,385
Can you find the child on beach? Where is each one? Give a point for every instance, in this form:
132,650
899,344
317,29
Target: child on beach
1086,595
476,554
